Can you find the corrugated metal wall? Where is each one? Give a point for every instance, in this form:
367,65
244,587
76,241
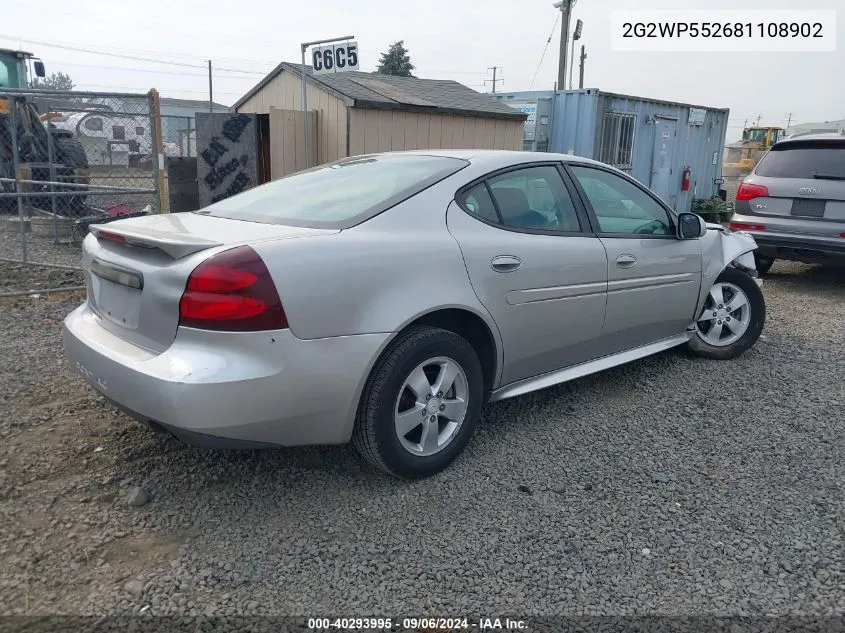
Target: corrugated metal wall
576,128
575,125
698,147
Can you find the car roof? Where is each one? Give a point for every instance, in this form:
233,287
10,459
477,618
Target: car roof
817,136
495,158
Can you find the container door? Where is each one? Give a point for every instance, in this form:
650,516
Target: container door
661,161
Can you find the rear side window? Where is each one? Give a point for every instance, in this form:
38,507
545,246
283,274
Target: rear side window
813,159
338,195
479,203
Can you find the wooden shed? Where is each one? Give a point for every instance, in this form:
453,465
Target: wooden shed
356,113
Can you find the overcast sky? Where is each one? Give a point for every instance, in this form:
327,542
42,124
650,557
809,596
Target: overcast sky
447,39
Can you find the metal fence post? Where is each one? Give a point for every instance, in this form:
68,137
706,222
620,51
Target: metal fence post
51,158
158,151
13,122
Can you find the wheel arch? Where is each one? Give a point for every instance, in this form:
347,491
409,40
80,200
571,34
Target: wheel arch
721,249
472,327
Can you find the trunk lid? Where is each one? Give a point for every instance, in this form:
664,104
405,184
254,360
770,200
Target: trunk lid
136,269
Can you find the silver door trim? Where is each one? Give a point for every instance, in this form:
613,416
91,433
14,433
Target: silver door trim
590,367
519,297
638,283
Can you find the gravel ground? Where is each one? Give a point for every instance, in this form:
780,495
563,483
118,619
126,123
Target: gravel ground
673,485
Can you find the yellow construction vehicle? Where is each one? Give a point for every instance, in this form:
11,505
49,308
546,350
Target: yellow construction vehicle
742,157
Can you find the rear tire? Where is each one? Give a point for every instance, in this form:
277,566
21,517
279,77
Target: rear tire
403,426
732,319
763,264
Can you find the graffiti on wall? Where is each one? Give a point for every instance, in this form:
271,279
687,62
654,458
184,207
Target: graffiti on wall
228,155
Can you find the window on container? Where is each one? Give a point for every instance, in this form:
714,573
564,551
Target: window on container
617,140
94,124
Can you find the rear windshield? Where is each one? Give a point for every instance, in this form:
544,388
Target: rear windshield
810,159
338,195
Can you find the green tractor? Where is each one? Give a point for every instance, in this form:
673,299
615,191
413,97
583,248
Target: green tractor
70,163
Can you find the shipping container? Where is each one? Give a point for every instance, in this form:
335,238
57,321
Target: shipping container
654,141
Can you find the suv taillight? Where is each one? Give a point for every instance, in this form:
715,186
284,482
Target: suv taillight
749,192
744,226
232,291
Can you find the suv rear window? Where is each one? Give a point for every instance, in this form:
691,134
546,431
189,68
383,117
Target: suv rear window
338,195
810,159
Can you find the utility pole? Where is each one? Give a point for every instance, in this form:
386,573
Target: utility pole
757,122
494,80
789,118
581,69
565,7
210,100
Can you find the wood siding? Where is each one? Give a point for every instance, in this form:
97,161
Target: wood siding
284,92
287,141
386,130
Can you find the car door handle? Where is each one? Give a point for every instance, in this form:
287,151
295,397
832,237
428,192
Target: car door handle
505,263
626,261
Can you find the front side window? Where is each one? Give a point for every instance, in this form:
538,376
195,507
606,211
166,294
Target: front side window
340,194
620,206
534,198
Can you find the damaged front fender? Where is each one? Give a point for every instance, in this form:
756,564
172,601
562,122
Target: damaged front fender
721,248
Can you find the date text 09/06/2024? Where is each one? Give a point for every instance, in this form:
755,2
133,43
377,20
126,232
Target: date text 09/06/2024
423,623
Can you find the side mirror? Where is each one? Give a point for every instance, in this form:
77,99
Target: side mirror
690,226
39,68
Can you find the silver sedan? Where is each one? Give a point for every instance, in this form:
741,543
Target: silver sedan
384,299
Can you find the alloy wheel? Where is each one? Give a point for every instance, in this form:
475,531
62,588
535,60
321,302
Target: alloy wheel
431,406
726,315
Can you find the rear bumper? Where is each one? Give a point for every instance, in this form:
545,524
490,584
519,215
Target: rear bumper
799,248
256,388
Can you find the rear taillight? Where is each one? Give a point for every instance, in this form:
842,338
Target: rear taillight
233,292
749,192
744,226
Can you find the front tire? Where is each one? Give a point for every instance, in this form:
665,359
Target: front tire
732,319
421,403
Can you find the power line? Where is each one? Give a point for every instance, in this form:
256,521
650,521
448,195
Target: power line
144,70
132,57
113,87
543,56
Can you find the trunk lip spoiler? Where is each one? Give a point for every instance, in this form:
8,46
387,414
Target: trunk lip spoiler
176,247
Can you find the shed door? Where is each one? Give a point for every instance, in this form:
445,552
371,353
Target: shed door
661,161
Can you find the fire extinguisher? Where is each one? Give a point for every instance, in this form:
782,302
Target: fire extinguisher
685,179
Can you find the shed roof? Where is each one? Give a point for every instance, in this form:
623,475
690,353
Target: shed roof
372,90
191,103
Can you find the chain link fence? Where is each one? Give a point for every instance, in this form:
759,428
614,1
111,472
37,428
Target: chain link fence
70,159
